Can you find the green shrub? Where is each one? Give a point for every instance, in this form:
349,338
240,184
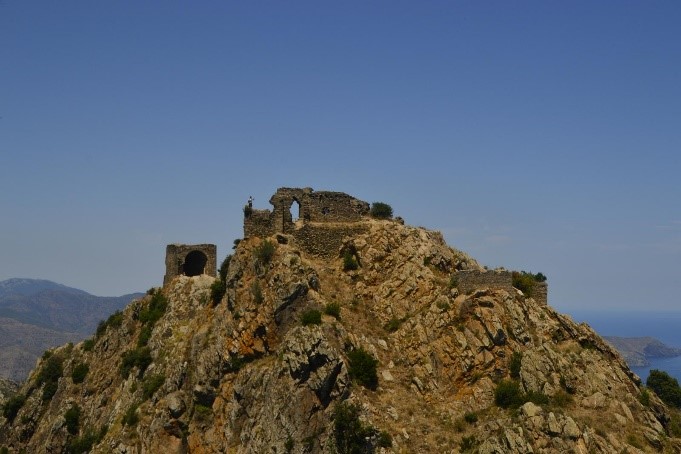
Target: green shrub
561,398
508,394
88,344
470,417
51,370
115,320
72,418
333,309
537,398
152,384
264,252
224,266
49,390
84,443
79,372
202,412
524,282
362,368
468,443
348,431
665,386
393,325
139,357
12,406
217,291
349,261
453,281
130,418
311,317
514,364
256,291
644,398
384,440
380,210
151,313
675,423
145,335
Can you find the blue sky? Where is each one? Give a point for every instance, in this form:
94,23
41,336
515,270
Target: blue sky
542,136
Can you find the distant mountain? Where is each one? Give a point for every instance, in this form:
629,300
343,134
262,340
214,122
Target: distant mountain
55,306
36,315
638,351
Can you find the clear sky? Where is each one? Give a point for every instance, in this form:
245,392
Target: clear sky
542,136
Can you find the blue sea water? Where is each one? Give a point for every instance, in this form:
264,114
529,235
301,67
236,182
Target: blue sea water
665,326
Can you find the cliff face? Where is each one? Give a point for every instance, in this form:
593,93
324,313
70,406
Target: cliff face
177,373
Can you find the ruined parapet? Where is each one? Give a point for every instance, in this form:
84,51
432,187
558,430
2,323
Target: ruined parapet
314,207
190,260
540,292
470,280
326,240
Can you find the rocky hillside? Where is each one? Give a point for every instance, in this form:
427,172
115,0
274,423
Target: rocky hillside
302,354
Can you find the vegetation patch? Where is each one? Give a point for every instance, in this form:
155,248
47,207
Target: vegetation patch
84,443
139,357
393,325
333,309
79,372
468,443
130,418
665,386
526,281
115,320
508,394
217,291
152,384
202,413
12,406
256,291
362,368
88,344
49,375
514,364
154,310
264,252
350,262
311,317
380,210
72,419
350,434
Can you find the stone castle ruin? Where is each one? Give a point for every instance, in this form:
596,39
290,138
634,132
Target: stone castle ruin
325,219
190,260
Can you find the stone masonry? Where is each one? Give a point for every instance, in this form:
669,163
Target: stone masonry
190,260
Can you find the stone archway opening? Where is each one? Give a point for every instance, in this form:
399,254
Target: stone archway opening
294,209
194,263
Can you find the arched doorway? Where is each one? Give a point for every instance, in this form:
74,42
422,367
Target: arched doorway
294,209
194,263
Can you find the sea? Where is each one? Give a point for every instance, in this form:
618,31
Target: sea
664,326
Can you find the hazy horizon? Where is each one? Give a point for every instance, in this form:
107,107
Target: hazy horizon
535,136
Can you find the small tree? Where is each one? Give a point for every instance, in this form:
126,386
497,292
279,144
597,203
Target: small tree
380,210
362,368
311,317
79,372
72,418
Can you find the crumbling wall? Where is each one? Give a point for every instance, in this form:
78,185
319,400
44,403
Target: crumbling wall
326,240
315,207
470,280
176,259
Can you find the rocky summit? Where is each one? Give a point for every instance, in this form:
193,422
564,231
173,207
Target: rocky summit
374,348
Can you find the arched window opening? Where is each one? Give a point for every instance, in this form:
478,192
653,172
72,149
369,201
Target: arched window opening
194,263
295,210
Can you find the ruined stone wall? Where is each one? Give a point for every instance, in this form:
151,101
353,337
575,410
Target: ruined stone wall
176,259
540,292
472,280
318,207
258,223
326,240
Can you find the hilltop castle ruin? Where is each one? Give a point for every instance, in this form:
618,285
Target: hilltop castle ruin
325,220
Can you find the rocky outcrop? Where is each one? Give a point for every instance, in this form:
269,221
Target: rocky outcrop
245,375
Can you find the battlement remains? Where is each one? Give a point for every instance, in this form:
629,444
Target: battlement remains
314,207
471,280
190,260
